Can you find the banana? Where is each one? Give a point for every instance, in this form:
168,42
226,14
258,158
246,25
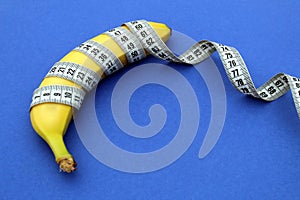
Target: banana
50,120
65,85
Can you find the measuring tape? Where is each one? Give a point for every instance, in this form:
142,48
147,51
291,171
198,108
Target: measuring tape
143,37
68,95
78,74
129,43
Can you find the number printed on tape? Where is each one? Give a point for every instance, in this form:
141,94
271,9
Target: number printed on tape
68,95
132,47
106,59
78,74
135,43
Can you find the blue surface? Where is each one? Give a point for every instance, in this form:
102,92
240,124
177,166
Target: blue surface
258,154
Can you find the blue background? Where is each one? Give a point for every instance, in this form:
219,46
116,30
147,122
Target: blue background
258,154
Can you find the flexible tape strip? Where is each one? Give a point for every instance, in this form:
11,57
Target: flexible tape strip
233,63
76,73
129,44
295,88
68,95
107,60
149,38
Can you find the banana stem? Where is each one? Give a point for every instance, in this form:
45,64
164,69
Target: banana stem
63,157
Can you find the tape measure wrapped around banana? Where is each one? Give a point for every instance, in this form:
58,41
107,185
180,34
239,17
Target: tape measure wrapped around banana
78,72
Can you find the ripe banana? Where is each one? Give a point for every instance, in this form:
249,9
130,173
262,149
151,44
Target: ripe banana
50,119
79,71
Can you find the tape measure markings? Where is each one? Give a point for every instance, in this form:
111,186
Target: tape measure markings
143,36
106,59
233,63
58,94
150,40
76,73
128,43
205,47
273,88
198,52
296,90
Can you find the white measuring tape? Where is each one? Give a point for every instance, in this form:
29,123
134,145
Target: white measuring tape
68,95
142,36
106,59
233,63
78,74
129,44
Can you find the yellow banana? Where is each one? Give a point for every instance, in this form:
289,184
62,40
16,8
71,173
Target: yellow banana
51,120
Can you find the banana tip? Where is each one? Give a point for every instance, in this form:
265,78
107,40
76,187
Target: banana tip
67,165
